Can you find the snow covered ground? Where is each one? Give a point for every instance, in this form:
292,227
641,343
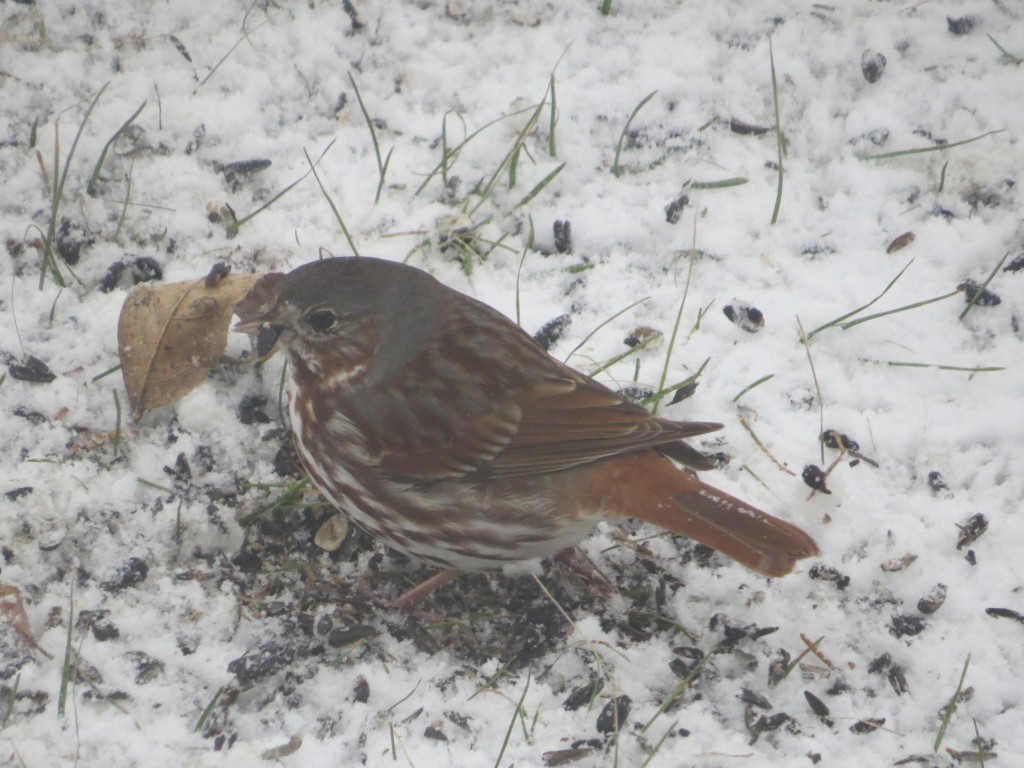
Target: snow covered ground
123,539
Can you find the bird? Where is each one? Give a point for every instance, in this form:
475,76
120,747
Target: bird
442,428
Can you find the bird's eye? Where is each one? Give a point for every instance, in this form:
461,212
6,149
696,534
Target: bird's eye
321,320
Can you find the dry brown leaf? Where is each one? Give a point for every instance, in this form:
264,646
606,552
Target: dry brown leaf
13,609
259,297
169,336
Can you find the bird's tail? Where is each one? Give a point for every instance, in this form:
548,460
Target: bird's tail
648,487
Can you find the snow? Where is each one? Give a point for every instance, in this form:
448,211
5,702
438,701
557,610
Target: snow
270,81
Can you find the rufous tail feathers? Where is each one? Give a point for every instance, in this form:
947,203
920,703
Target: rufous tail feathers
677,501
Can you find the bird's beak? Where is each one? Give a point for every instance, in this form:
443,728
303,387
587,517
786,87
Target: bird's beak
265,334
260,315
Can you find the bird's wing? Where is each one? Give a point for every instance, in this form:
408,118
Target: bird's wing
574,420
509,419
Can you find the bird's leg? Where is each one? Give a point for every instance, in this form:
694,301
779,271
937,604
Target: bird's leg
571,558
408,601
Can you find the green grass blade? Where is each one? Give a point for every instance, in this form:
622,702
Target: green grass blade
516,714
950,708
90,188
444,149
50,241
590,335
839,320
749,387
779,139
66,668
382,165
552,144
512,155
983,286
940,366
10,702
681,688
942,178
675,326
330,202
1008,57
540,186
444,162
622,356
383,173
232,229
124,207
938,148
734,182
290,498
657,745
208,709
662,393
513,167
904,308
616,170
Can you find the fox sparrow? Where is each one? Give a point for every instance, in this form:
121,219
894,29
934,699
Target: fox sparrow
439,426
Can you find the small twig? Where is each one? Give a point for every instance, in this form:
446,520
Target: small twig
763,447
828,470
793,664
558,605
816,651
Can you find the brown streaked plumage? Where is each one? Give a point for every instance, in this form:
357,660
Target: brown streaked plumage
438,425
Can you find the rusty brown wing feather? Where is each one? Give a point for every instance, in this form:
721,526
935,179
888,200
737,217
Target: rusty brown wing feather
507,409
572,421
